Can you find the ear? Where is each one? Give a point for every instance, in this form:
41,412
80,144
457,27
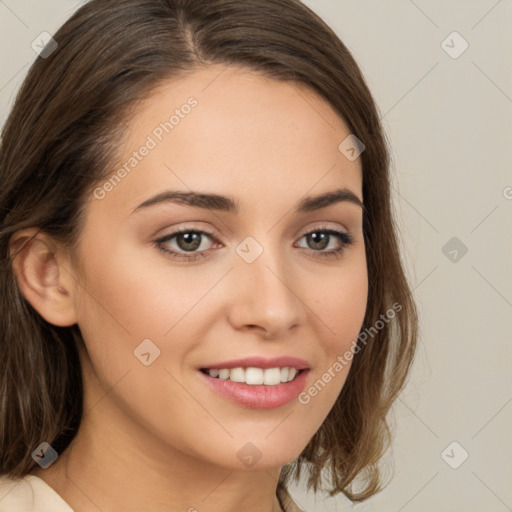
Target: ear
44,276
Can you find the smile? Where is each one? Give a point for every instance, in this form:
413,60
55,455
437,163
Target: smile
254,376
285,384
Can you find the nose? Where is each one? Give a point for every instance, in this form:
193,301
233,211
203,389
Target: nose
265,296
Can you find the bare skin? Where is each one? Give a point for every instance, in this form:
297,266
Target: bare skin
157,437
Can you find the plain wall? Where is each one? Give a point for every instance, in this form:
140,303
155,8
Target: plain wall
449,121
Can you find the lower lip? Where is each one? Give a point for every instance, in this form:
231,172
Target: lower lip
258,396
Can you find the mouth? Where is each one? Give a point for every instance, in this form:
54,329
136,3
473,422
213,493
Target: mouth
254,376
256,388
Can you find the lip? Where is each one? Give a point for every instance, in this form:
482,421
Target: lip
261,362
258,396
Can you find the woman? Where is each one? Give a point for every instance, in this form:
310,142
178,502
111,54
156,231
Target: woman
202,290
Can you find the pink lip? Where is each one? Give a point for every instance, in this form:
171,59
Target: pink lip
258,396
261,362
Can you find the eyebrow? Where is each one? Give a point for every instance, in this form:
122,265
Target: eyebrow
230,205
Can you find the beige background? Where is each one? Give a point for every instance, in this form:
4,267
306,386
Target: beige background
449,121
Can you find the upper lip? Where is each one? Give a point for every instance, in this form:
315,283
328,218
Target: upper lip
261,362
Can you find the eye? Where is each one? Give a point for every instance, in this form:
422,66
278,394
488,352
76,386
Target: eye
189,241
320,238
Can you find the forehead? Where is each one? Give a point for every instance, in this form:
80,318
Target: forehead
233,131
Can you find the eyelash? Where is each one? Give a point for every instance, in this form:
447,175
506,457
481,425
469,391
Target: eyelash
345,237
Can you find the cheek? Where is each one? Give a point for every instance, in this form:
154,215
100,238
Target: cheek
133,292
339,315
131,296
127,301
340,302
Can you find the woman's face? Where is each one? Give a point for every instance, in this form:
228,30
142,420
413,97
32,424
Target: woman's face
257,285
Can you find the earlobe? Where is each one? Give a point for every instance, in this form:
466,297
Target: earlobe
41,276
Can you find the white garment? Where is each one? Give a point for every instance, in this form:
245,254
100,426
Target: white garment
30,494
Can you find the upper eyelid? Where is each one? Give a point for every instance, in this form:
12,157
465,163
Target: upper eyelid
319,225
213,235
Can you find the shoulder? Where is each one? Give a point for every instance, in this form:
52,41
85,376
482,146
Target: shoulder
286,501
30,494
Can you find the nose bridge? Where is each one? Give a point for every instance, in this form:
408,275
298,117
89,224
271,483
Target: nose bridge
265,293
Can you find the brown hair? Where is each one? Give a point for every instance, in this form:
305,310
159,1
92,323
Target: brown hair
59,141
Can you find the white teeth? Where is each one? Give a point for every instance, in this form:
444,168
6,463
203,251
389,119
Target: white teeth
223,374
272,376
237,375
255,376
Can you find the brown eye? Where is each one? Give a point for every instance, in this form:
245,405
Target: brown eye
319,240
186,240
